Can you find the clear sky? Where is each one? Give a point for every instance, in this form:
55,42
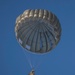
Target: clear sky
60,61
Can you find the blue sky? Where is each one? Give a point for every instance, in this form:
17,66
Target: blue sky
60,61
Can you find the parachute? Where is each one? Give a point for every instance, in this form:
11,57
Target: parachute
38,30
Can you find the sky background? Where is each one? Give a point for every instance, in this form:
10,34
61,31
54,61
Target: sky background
60,61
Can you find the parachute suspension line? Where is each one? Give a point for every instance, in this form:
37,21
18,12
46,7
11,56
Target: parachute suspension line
40,61
38,64
28,59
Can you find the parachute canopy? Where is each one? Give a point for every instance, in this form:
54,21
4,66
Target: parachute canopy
38,30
